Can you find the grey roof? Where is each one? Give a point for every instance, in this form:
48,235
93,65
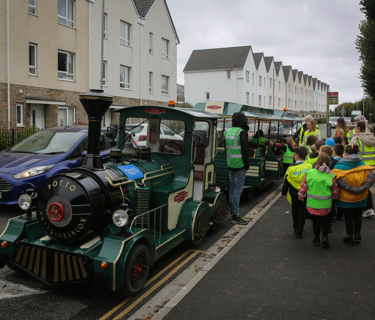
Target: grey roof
314,82
257,58
287,70
218,59
278,66
268,61
294,73
143,6
300,74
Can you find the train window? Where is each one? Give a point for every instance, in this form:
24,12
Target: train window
202,129
165,136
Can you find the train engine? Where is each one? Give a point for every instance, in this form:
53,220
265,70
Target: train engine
109,223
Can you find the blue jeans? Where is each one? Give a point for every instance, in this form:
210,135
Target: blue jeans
237,179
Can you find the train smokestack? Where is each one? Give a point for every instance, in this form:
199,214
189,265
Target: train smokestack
95,103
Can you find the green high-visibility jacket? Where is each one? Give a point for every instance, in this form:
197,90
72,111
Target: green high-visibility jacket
367,153
319,195
288,155
233,147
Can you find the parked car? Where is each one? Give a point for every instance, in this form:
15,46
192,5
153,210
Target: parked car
139,132
43,154
332,121
347,119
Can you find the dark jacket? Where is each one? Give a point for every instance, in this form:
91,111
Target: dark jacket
298,132
239,120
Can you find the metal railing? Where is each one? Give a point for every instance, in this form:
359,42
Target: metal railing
9,137
144,218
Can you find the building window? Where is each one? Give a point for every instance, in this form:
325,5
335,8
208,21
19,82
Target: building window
207,96
66,116
105,25
247,97
247,76
260,100
288,87
104,80
252,78
288,103
270,83
270,101
32,6
260,82
151,43
19,115
124,77
164,85
279,85
32,59
278,102
164,48
65,12
125,29
252,98
228,74
150,81
264,81
65,65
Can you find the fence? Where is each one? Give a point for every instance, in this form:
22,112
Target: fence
9,137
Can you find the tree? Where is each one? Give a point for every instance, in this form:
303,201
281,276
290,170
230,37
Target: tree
365,44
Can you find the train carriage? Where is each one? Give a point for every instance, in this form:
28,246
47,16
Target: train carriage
109,223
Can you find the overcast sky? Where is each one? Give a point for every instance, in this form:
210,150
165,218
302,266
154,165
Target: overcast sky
313,36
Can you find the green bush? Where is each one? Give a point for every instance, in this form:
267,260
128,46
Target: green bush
9,137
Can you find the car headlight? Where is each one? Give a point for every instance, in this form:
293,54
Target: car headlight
32,172
24,201
120,218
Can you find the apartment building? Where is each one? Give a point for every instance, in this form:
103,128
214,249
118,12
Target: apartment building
53,50
239,75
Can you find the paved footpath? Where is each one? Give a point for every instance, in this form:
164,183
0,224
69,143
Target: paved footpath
269,274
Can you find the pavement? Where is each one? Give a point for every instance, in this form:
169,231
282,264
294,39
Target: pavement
264,272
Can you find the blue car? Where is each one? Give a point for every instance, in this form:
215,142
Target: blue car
45,153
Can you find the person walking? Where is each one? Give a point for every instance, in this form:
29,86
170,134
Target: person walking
365,140
320,188
292,183
354,178
301,132
312,130
238,161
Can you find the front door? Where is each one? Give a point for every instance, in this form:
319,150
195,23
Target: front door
37,116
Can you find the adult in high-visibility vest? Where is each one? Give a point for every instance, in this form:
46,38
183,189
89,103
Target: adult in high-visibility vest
292,183
301,131
342,129
366,144
312,131
357,119
238,161
320,187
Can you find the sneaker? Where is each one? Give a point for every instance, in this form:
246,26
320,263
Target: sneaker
238,220
316,242
368,213
348,240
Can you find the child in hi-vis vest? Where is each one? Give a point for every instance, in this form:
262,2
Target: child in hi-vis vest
319,187
292,183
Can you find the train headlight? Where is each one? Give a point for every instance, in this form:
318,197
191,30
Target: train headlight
120,218
24,202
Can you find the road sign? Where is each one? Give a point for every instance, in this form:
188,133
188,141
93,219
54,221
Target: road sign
333,97
343,112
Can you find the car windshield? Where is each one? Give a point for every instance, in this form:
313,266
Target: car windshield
48,142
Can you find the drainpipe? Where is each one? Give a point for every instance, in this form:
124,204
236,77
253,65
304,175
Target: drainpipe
8,64
141,23
102,49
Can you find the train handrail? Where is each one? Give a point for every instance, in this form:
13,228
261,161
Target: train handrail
121,183
148,219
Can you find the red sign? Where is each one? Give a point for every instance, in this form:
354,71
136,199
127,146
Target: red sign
155,110
213,107
180,196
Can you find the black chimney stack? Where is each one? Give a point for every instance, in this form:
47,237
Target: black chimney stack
96,103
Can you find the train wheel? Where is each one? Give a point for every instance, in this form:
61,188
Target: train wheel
220,214
202,225
136,270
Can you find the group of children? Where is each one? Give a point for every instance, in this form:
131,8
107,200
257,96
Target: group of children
326,176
